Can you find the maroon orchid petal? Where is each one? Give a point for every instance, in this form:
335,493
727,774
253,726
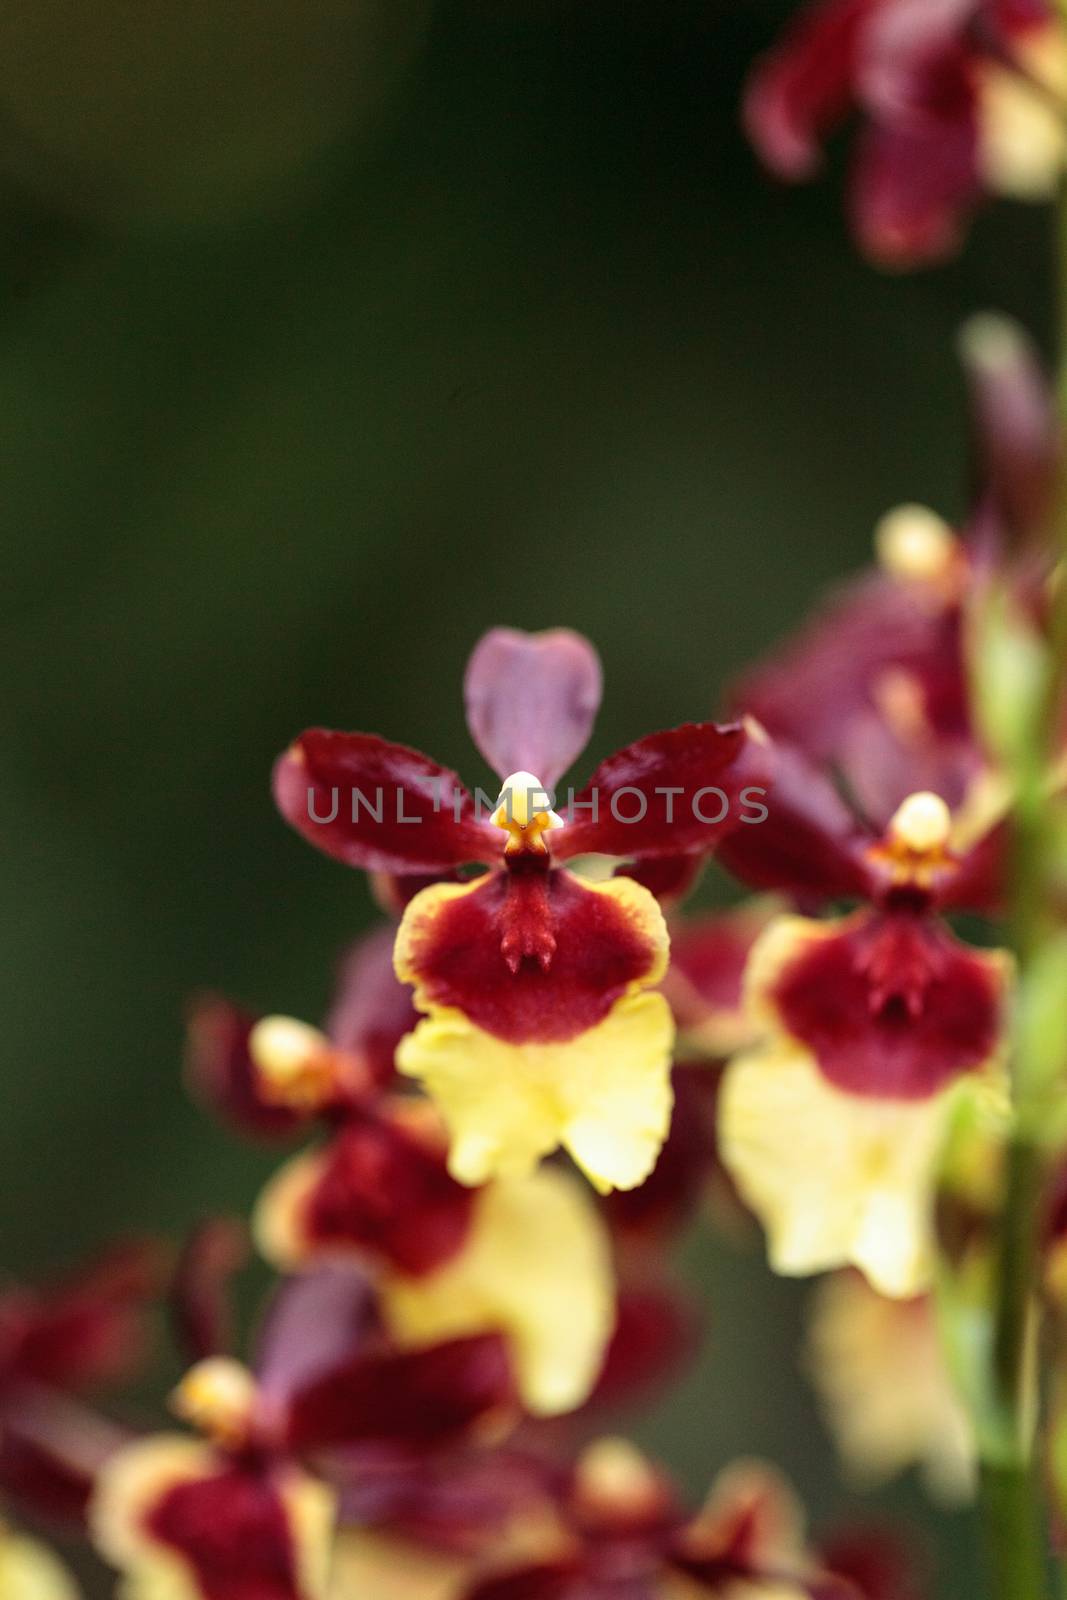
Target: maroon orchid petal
669,1197
530,954
657,1334
35,1481
911,191
891,1005
379,806
87,1331
201,1305
372,1009
532,699
384,1190
810,844
805,85
876,636
221,1075
51,1450
429,1395
668,794
317,1322
916,174
234,1531
1016,437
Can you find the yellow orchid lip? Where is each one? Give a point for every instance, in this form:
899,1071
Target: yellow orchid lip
605,1097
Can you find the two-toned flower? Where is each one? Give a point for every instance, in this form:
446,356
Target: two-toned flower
833,1124
542,1026
248,1508
526,1257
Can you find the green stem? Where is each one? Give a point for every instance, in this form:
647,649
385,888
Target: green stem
1011,1500
1013,1347
1015,1557
1011,1497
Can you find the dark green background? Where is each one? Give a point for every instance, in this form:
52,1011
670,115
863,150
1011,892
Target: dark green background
324,345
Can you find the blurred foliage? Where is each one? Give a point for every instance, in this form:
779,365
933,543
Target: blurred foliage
326,341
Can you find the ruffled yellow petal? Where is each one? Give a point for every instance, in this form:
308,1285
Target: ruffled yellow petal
886,1391
605,1096
834,1178
28,1571
538,1267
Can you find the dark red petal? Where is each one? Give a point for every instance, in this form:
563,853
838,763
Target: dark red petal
429,1395
809,691
51,1450
86,1331
220,1073
384,1190
669,1197
234,1531
372,1009
805,85
529,955
377,805
317,1323
810,844
912,190
916,173
668,794
892,1005
200,1293
532,699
